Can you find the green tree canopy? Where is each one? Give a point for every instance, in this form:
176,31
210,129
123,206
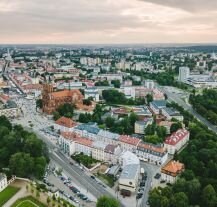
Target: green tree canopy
105,201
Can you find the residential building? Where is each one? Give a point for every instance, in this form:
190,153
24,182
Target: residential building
112,153
157,106
176,141
3,182
166,124
128,143
129,177
91,92
64,124
149,84
140,126
171,171
184,73
170,113
151,153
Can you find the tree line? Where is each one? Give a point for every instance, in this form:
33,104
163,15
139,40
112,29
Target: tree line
21,152
198,184
206,104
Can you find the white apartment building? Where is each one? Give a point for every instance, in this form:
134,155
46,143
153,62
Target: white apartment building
184,73
151,153
176,141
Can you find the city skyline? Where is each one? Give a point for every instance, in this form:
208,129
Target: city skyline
107,22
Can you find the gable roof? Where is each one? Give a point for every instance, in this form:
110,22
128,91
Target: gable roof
173,167
176,137
66,122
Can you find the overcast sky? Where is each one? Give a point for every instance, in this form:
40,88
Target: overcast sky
108,21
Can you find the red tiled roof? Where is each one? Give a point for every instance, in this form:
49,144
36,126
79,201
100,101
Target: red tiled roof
66,122
173,167
77,138
129,140
66,93
176,137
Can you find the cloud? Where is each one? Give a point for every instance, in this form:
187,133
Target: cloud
106,21
188,5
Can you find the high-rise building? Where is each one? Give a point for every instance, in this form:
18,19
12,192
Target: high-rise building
184,73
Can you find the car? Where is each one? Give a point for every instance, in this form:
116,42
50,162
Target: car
162,181
157,176
71,198
142,184
61,191
93,177
138,196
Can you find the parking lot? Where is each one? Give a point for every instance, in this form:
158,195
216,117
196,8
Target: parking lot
68,188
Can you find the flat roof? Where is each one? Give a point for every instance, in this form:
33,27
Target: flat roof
130,171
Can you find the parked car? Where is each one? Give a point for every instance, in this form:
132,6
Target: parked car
157,176
138,196
93,177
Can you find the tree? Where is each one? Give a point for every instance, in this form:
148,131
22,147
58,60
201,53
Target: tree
116,83
149,98
39,103
21,164
37,194
175,126
109,122
48,200
66,110
27,187
87,102
105,201
154,139
133,118
161,132
56,115
180,200
209,196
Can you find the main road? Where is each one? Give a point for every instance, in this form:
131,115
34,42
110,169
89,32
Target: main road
176,98
83,178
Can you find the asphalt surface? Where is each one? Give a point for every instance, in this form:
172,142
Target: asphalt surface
176,98
39,122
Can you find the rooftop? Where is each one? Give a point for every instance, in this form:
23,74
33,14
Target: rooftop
176,137
173,167
130,171
66,122
89,128
129,140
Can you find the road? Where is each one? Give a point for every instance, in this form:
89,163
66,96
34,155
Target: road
39,122
176,98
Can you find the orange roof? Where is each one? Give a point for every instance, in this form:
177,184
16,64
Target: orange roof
66,122
65,93
129,140
151,147
173,167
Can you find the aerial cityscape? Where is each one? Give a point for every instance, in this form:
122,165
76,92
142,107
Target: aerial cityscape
108,103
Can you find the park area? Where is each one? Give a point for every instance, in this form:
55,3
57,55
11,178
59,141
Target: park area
7,193
27,202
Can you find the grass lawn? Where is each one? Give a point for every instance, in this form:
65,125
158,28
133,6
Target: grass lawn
106,179
28,202
7,193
